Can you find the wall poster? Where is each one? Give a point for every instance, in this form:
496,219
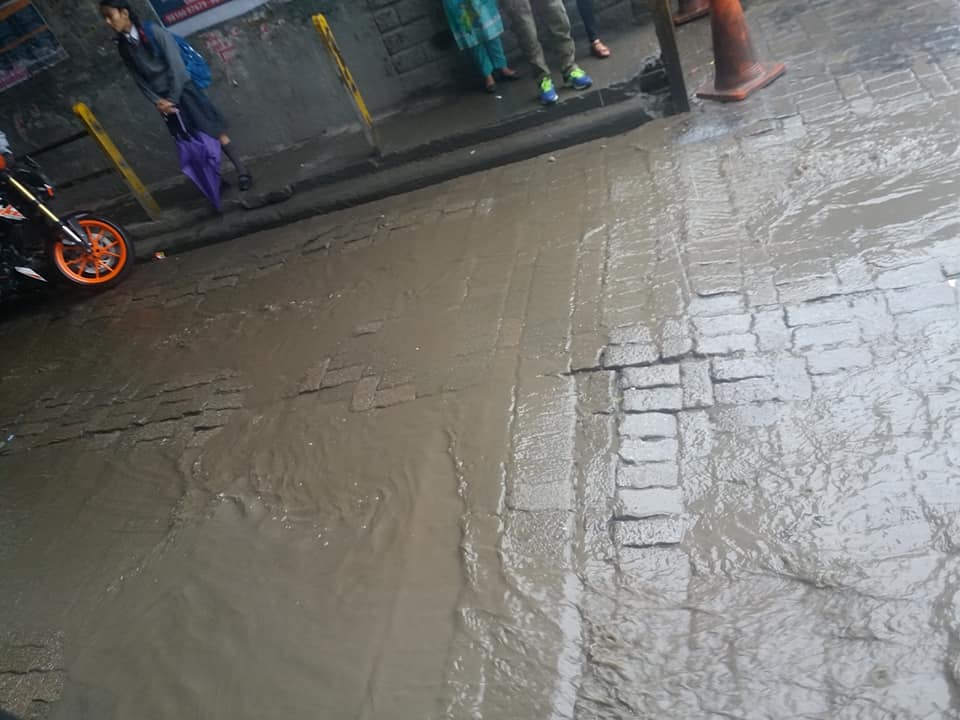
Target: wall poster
189,16
27,45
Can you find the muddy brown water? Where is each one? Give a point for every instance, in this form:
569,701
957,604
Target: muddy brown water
300,555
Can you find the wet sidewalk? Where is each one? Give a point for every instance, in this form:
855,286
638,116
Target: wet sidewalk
661,425
449,134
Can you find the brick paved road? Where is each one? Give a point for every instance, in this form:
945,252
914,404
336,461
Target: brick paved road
679,409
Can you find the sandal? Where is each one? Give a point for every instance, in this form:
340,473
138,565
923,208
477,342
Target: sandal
598,49
245,182
508,74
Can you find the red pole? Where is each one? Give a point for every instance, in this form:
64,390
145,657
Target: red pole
738,73
691,10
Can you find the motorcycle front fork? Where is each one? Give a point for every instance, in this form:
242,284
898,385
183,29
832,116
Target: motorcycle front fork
73,237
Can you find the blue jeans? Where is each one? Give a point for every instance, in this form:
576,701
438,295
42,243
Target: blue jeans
489,56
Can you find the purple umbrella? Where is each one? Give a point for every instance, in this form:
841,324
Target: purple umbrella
200,161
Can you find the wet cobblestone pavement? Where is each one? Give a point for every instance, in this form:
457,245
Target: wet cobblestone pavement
660,426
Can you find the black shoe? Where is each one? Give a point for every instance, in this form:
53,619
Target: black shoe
245,182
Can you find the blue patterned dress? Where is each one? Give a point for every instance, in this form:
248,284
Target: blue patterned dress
473,22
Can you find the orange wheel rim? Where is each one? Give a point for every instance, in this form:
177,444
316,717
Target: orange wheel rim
102,264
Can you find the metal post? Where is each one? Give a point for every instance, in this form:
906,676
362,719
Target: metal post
330,43
138,189
670,54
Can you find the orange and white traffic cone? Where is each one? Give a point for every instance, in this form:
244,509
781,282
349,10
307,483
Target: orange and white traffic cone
691,10
738,73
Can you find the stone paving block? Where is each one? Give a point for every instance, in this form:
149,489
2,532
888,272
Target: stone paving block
342,376
171,397
646,475
890,79
528,497
597,393
771,330
725,369
232,385
851,86
633,504
394,395
648,425
192,380
631,335
653,399
937,85
173,411
824,335
696,435
156,431
209,419
876,322
923,323
793,381
900,93
29,429
663,375
855,275
818,313
113,423
365,393
911,275
723,324
76,417
716,304
233,401
618,356
727,344
314,377
675,339
649,532
759,415
808,289
585,353
827,362
61,433
920,298
105,441
637,450
697,387
742,392
710,284
202,437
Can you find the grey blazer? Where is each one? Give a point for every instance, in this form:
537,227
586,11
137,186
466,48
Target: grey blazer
159,72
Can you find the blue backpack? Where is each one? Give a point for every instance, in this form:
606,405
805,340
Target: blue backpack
197,67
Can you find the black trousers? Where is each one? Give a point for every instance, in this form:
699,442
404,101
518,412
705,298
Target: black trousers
589,20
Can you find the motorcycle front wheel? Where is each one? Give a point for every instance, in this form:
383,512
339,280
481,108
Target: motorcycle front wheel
106,264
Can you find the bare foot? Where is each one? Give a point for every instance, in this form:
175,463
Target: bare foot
509,73
489,84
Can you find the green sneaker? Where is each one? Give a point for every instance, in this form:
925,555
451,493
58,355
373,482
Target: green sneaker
548,94
578,79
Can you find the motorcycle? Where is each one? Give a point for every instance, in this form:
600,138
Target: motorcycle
81,248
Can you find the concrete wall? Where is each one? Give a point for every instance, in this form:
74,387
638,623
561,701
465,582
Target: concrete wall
272,78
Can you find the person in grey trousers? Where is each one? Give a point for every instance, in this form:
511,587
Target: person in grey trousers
557,27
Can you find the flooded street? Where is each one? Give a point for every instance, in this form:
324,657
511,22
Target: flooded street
661,426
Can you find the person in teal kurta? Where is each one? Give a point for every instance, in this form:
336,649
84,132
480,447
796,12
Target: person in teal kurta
477,26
